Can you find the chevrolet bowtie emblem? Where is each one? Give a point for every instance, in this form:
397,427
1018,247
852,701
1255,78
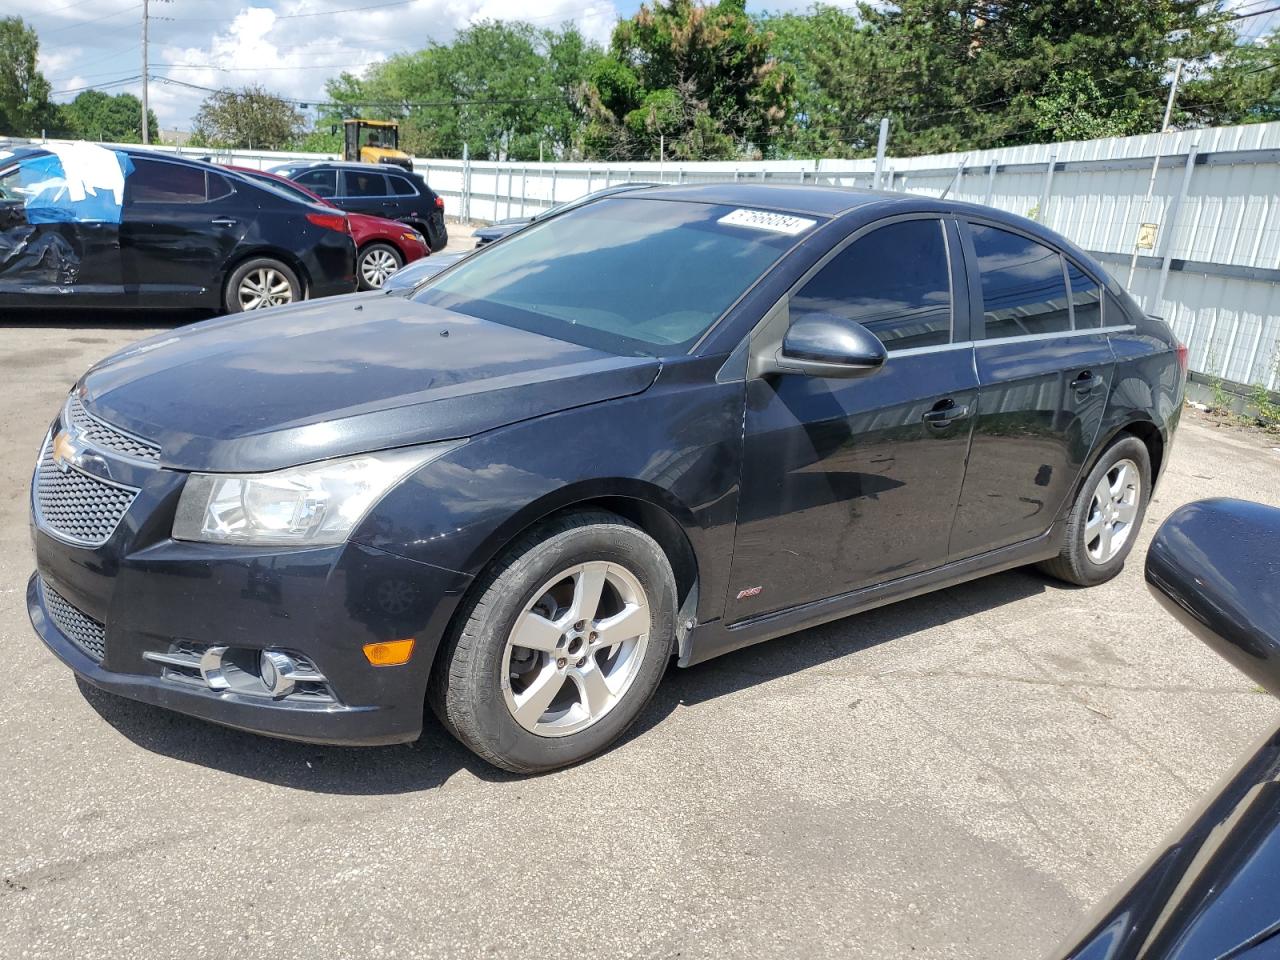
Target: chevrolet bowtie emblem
66,452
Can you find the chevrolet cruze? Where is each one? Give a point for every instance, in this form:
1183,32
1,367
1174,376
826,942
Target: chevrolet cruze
664,425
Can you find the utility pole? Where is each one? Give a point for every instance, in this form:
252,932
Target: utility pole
1155,166
146,131
881,143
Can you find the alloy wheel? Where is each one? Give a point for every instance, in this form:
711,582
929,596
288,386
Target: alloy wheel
376,266
264,287
1112,511
575,649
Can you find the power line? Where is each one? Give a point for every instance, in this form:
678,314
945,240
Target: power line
105,85
1255,13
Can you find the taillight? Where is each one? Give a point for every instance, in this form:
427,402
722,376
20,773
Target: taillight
330,221
1182,359
439,202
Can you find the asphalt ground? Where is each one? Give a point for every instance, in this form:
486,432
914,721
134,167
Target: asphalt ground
959,775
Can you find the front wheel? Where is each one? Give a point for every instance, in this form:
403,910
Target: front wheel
260,283
563,644
1106,516
376,262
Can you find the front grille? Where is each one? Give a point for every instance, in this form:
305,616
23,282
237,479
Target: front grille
100,434
88,634
77,506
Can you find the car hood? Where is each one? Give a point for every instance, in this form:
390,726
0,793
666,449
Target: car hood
496,231
261,391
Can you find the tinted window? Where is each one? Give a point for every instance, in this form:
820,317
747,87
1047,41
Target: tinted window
894,281
1022,287
290,190
403,187
1086,298
360,184
158,182
623,275
323,183
1114,315
218,187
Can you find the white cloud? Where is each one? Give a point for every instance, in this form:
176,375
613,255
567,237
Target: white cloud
209,44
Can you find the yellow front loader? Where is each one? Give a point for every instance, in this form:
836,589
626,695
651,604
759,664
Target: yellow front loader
374,141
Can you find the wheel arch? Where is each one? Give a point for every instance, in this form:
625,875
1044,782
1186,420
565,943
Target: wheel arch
649,507
275,253
1144,429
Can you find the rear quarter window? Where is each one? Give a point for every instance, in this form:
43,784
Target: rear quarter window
402,187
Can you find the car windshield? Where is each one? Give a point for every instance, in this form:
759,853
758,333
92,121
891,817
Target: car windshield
626,275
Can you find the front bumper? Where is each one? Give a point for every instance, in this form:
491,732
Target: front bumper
143,592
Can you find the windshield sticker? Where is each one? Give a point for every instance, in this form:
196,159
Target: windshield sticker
767,220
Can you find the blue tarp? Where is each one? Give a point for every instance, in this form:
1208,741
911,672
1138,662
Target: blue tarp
83,183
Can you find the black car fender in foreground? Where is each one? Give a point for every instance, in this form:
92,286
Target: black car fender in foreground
1213,891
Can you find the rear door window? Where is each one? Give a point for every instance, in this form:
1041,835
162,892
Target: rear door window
155,181
360,184
1086,298
894,281
323,183
1023,290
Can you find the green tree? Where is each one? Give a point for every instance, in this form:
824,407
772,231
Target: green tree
693,80
1072,108
960,74
94,115
822,47
1243,88
249,118
503,89
25,109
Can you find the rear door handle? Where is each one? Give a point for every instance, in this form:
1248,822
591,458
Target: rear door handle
1086,382
223,222
945,412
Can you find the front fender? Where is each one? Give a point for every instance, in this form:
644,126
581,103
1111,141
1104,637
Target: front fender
676,446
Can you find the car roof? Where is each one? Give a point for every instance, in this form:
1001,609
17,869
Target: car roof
349,165
833,201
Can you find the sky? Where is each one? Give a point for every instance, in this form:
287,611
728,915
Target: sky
288,46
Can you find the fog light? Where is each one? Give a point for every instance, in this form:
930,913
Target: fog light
390,653
278,671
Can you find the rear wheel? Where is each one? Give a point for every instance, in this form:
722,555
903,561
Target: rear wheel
376,262
562,646
260,283
1106,516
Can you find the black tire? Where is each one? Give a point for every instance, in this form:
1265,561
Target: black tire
1074,564
231,294
467,691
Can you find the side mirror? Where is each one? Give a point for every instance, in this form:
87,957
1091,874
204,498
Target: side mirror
826,345
1214,565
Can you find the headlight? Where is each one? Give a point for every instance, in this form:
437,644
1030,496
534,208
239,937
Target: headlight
311,505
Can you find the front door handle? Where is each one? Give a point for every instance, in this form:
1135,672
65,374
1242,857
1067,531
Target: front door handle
223,222
945,412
